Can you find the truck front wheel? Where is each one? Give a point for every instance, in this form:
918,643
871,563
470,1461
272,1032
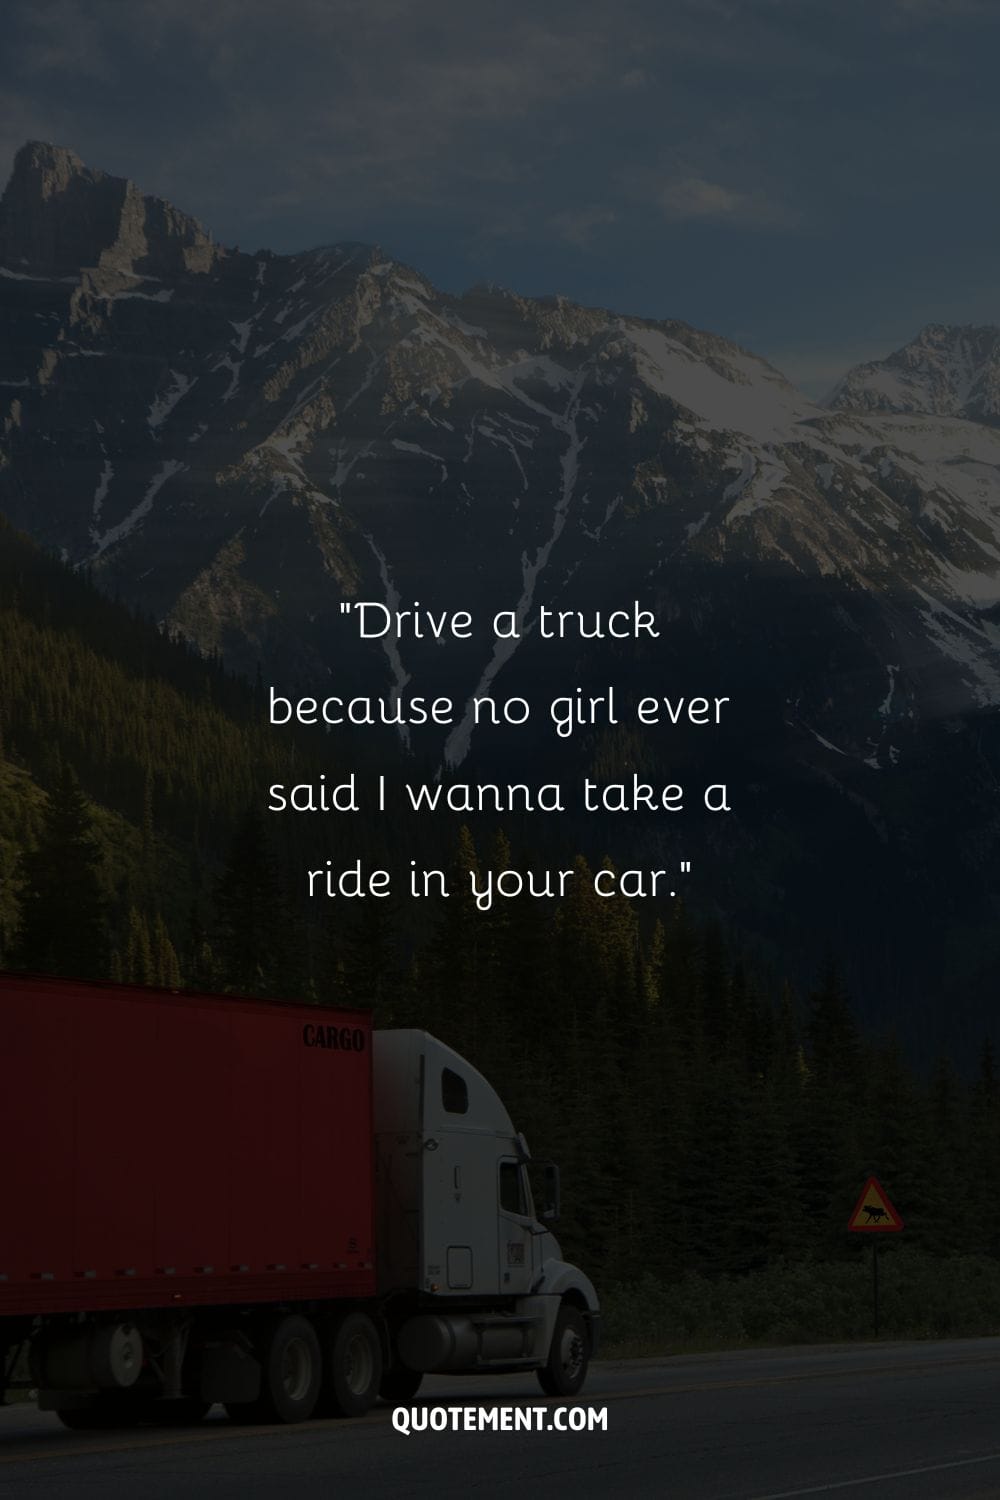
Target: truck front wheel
569,1355
352,1368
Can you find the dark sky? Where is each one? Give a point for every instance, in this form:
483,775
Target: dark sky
814,179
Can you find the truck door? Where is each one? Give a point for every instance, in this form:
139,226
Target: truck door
515,1220
459,1195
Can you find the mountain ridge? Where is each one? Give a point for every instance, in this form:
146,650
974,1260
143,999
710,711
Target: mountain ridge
301,391
242,444
947,370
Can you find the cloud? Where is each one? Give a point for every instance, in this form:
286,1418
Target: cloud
691,198
579,226
697,198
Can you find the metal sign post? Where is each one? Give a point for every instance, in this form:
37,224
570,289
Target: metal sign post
875,1285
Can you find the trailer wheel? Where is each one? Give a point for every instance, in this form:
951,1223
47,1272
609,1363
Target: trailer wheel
352,1368
291,1374
569,1355
399,1383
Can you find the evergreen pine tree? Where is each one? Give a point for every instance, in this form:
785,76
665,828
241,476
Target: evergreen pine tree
138,967
63,908
165,962
258,943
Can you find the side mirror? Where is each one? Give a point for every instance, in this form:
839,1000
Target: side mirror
550,1192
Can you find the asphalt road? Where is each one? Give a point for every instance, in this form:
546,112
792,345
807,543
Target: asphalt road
920,1421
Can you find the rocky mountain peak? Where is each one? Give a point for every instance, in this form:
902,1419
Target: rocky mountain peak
58,216
945,371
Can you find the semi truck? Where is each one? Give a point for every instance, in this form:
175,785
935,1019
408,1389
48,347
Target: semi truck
269,1205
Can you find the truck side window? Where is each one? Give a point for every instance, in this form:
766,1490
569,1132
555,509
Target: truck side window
454,1093
512,1199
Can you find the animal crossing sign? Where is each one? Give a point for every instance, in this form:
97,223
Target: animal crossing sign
873,1213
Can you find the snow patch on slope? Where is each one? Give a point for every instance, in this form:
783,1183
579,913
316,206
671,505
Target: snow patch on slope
457,744
135,517
101,492
164,404
751,399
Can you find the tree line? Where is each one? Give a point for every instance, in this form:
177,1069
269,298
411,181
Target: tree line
706,1118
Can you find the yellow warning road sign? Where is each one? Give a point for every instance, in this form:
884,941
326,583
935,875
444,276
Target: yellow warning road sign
873,1212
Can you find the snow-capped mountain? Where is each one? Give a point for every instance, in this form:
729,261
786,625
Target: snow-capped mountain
943,372
242,441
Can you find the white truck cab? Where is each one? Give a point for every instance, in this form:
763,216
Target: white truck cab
456,1222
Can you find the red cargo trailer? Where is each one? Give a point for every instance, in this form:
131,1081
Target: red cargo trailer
166,1148
189,1196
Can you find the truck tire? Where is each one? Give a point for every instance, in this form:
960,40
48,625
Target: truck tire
569,1355
352,1366
291,1374
399,1383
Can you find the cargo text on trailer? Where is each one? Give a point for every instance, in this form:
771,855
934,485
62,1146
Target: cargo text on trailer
263,1204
